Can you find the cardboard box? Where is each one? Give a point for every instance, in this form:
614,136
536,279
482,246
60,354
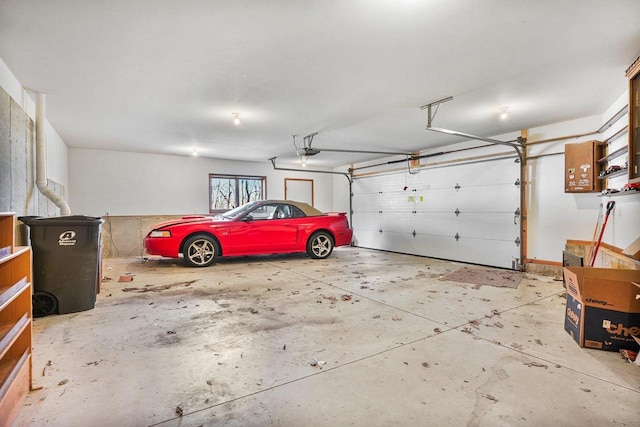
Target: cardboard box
603,307
633,250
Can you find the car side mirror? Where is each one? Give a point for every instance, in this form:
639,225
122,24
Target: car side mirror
248,217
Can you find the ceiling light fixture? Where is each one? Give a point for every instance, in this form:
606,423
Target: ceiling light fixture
236,120
194,153
504,114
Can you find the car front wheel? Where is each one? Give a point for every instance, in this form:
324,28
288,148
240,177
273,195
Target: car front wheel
320,245
200,251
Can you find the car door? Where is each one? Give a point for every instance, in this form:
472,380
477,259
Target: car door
269,229
276,233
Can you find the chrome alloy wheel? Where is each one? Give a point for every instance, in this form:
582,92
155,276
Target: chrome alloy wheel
200,251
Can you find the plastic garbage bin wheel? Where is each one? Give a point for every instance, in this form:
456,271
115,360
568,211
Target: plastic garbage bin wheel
44,304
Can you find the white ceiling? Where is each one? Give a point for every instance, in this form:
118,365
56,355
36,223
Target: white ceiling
163,76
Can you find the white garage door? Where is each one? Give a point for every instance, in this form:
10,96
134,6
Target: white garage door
463,212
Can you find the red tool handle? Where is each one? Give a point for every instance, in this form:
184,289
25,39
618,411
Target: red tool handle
610,206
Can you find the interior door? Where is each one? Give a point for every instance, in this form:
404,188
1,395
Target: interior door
300,190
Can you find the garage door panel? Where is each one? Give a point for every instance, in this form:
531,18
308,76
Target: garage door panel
396,221
364,204
490,226
479,251
484,199
436,224
365,221
368,238
466,249
435,246
485,226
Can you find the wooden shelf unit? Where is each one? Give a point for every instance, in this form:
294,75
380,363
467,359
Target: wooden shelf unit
609,155
15,321
621,193
615,154
614,174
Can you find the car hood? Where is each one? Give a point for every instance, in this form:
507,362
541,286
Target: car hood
196,219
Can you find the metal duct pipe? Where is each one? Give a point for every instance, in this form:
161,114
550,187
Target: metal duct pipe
41,158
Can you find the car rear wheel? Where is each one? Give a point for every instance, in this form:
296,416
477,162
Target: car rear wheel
200,251
320,245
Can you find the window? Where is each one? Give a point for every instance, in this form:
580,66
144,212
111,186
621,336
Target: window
230,191
276,211
296,212
263,212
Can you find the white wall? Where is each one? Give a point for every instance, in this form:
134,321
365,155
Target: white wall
57,152
57,159
555,216
123,183
12,86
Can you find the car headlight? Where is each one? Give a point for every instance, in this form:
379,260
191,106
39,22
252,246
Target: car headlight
160,233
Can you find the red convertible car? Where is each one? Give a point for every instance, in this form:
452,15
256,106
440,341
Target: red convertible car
260,227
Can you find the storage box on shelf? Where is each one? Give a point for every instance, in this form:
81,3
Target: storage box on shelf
15,321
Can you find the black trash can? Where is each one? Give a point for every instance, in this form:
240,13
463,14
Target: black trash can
67,255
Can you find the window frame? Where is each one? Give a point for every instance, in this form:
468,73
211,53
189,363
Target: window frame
236,184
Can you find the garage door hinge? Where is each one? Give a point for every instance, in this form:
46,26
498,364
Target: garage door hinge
380,231
517,212
517,183
414,212
457,187
414,233
457,236
379,212
457,212
517,241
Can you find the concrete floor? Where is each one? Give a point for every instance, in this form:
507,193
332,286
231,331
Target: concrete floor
276,341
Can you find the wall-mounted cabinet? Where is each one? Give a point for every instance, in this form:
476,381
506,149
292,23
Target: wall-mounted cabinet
633,73
582,168
15,321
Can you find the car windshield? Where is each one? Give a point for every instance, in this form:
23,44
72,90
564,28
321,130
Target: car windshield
239,211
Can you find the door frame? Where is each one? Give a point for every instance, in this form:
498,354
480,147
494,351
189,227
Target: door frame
286,180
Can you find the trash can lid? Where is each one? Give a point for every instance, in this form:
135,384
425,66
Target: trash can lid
61,220
28,219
